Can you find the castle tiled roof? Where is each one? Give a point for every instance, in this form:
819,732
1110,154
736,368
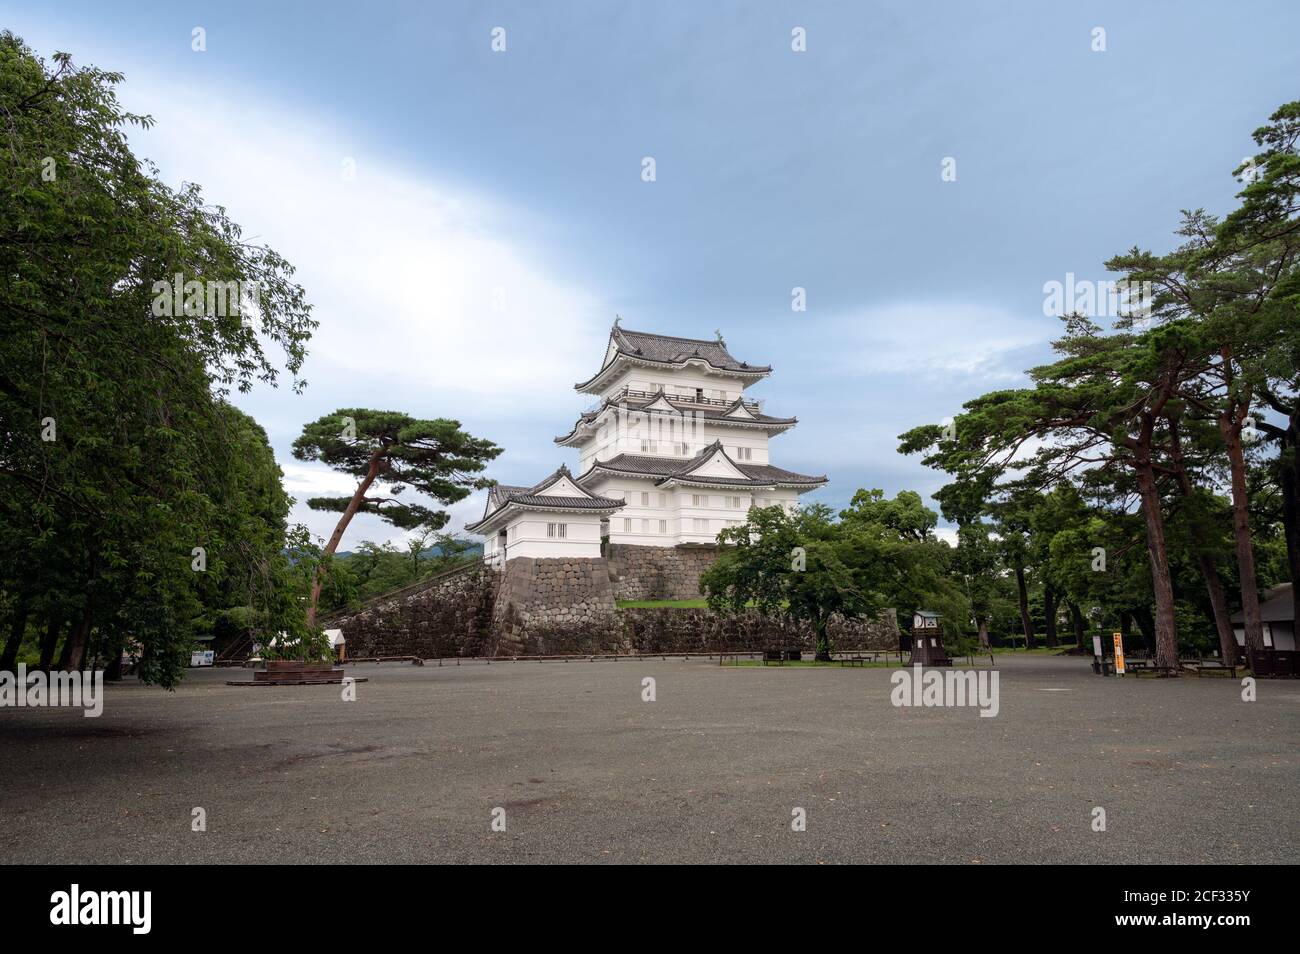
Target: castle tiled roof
654,347
667,349
503,495
686,407
665,469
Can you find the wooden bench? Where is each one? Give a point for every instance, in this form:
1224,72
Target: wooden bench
781,656
1213,667
1147,668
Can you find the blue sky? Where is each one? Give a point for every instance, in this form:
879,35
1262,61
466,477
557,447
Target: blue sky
495,218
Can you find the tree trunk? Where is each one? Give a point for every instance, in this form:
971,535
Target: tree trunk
1218,608
1076,617
1209,572
17,630
1049,608
984,633
113,671
1022,592
823,653
1288,465
1147,627
74,650
1290,483
1162,584
1230,427
337,536
50,641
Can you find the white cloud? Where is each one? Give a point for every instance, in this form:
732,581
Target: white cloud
947,534
418,285
305,480
928,339
427,302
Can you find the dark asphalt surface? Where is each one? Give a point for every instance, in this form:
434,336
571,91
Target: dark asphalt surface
709,772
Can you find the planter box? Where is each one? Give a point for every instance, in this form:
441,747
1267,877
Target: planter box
297,665
293,672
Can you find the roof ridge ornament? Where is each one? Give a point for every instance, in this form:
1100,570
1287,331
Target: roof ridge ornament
718,332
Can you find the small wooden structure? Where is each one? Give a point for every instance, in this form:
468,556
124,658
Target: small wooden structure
295,672
927,640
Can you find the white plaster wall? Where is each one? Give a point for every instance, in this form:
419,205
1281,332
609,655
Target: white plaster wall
680,508
527,535
630,489
621,433
1276,636
675,381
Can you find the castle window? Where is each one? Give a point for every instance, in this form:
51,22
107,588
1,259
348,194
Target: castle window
695,500
744,453
627,524
701,525
645,499
663,526
559,531
649,446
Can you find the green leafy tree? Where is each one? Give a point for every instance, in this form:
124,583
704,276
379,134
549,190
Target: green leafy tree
387,451
801,564
110,477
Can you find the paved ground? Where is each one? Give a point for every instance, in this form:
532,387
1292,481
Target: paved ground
710,771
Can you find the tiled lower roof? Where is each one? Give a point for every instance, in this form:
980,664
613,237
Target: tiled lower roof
666,468
718,414
503,495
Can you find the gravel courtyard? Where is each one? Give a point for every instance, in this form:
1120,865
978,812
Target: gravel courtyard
586,771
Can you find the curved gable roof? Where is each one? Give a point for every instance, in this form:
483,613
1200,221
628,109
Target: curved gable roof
669,349
537,497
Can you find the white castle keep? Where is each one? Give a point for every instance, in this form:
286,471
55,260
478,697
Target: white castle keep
671,454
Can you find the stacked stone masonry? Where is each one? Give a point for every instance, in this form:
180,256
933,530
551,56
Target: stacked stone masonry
658,573
566,606
546,606
449,616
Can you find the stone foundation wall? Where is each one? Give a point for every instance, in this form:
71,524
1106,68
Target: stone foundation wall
555,606
563,607
658,573
448,615
701,631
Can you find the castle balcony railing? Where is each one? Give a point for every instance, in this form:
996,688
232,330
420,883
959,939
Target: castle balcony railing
639,395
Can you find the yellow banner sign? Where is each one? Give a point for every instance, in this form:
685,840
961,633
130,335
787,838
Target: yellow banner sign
1119,653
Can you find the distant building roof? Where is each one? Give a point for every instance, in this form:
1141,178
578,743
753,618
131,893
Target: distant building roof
536,498
1278,606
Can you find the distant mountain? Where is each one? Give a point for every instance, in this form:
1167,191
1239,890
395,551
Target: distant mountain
472,549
